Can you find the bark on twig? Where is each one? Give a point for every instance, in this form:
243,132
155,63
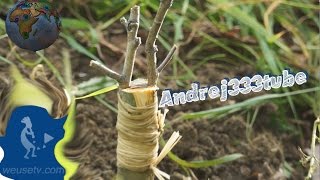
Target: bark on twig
151,48
132,26
112,74
167,60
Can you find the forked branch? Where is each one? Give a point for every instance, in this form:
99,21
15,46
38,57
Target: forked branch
151,47
132,27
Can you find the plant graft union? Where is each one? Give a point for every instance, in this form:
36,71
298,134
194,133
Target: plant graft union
139,122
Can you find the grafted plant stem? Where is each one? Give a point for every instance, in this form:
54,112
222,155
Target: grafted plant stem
133,164
151,47
132,27
109,72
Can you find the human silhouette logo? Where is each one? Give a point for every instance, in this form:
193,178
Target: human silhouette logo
27,149
24,139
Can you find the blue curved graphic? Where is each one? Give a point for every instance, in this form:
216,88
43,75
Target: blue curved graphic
28,146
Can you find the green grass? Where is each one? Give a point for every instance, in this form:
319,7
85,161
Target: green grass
228,109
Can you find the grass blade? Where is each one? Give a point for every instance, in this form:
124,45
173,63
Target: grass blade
204,164
201,164
242,105
75,24
99,92
94,84
54,70
5,60
74,44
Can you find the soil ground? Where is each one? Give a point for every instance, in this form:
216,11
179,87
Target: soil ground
202,140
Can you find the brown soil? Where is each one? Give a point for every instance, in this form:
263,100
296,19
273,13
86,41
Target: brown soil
263,157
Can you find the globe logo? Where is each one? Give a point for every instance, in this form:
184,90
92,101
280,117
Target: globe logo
33,24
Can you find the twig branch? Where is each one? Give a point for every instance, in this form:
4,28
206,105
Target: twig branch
313,157
133,42
167,60
112,74
132,26
151,48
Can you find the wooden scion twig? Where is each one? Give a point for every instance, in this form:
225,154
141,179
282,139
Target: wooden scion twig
114,75
151,47
168,58
132,26
136,100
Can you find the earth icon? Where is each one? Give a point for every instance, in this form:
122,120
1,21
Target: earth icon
33,24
